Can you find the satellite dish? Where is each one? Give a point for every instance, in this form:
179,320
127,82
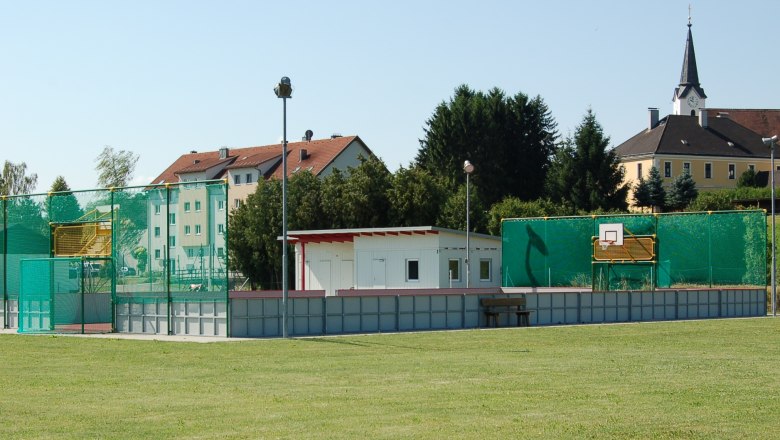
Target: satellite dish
309,135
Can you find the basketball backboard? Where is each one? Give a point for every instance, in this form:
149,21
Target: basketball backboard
611,233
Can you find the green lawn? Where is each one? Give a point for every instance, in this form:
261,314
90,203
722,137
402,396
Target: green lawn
700,379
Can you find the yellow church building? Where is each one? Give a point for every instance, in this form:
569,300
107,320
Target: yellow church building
714,148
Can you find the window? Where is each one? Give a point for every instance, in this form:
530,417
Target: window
220,252
485,266
412,270
156,209
454,266
197,205
687,167
187,230
156,231
220,228
157,254
708,171
732,171
639,170
172,241
237,179
197,229
221,205
667,169
236,202
186,206
190,252
248,177
752,167
172,218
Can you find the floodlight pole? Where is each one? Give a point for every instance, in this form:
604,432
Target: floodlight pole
283,90
770,142
468,168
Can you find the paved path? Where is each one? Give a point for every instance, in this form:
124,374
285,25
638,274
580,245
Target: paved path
140,337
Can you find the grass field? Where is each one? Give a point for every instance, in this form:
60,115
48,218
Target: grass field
698,379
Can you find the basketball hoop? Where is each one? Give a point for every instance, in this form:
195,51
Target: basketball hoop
606,243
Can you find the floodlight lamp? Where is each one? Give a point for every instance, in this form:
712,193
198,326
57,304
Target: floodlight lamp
284,88
769,141
468,167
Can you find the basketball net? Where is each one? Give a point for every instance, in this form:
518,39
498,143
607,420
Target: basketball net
606,243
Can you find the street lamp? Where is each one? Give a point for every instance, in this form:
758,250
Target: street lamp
283,90
468,168
770,142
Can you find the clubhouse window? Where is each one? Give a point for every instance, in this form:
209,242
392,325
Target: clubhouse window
667,169
485,269
732,171
412,270
708,170
454,268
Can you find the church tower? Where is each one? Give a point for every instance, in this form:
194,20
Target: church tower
688,96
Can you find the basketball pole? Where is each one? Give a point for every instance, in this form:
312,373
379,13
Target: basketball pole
770,142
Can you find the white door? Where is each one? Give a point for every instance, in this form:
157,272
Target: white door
324,277
347,274
378,273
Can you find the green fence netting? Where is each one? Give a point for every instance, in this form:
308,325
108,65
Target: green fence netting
158,243
692,250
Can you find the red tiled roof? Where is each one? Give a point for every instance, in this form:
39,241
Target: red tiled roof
203,165
765,122
320,154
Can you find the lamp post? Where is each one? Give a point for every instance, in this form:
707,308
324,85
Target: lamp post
468,168
770,142
283,90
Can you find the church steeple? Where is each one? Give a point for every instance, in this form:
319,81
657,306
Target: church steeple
689,75
689,96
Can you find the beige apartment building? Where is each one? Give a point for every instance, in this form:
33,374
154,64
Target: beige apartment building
181,221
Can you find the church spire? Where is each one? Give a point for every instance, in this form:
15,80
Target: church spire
689,75
688,95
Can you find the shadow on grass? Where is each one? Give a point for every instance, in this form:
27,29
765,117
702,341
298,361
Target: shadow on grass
371,344
339,340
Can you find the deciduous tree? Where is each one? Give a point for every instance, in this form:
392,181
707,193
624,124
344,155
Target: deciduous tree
115,168
15,181
415,197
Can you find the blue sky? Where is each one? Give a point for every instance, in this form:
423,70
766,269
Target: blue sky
161,78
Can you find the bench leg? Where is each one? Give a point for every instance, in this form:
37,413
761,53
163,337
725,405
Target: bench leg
492,316
523,319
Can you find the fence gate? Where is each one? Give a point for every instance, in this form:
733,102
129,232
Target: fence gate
66,295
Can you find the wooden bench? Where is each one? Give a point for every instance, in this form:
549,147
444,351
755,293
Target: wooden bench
493,307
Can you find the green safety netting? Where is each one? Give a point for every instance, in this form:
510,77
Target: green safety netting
692,250
160,243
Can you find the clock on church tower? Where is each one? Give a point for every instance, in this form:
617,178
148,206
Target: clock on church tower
693,102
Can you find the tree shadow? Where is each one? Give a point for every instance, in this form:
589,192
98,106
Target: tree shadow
536,242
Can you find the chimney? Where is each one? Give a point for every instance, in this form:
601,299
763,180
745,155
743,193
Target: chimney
304,155
335,135
223,153
703,118
653,112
